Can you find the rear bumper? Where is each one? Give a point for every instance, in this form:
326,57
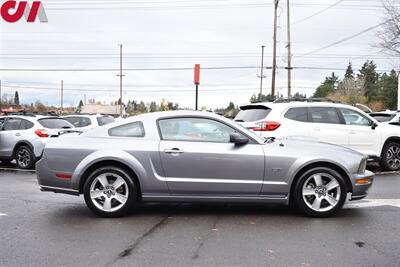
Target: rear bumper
48,181
360,191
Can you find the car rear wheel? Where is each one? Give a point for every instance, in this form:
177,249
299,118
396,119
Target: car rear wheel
24,157
320,192
391,157
110,192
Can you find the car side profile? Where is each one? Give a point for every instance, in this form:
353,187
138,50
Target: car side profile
189,156
23,137
327,122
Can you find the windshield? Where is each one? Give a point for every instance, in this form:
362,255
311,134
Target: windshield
252,113
55,123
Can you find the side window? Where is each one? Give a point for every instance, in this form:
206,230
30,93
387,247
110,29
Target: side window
324,115
297,114
12,124
195,129
25,125
352,117
2,120
79,121
134,129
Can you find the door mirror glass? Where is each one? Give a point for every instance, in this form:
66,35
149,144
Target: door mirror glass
238,139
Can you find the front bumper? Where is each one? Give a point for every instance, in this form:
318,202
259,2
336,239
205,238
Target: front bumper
360,190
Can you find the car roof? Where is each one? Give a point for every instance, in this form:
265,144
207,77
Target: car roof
284,105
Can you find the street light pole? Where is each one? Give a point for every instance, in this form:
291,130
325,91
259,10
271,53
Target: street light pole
62,95
289,47
120,80
262,70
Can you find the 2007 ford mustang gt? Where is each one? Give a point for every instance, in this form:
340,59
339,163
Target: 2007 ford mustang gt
188,156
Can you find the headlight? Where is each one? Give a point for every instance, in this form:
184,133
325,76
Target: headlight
363,166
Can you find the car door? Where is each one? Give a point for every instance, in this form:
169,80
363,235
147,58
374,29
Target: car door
362,136
9,136
198,158
327,126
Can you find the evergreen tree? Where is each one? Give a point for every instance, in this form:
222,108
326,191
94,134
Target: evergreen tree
153,106
327,87
388,87
16,98
349,72
370,78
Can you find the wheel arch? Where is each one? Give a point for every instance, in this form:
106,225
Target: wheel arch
22,143
395,139
108,162
325,164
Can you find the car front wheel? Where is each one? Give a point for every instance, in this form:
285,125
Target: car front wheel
24,157
110,192
320,192
391,157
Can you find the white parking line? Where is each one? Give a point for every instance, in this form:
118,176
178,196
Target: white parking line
3,214
374,203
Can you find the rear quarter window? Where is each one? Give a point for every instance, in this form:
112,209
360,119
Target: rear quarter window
105,120
134,129
252,113
297,114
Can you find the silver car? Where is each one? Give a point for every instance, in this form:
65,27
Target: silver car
188,156
23,137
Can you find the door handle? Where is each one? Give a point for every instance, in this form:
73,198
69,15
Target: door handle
317,129
173,151
352,132
17,134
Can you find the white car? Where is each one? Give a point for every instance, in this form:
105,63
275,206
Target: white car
23,137
87,122
326,122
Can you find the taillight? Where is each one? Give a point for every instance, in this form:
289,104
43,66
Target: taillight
266,126
42,133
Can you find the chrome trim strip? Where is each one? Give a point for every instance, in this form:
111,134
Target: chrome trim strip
269,197
59,188
222,181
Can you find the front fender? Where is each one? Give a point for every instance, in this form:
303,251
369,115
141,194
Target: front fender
107,155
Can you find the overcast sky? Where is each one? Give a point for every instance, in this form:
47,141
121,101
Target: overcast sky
178,34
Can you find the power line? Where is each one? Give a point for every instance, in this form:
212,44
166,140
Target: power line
318,13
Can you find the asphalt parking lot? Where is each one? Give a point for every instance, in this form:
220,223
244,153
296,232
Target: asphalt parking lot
47,229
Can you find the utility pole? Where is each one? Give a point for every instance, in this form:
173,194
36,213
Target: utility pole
276,3
84,99
262,76
62,95
398,92
289,48
120,80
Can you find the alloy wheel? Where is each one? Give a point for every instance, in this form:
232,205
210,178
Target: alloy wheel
23,157
321,192
393,157
109,192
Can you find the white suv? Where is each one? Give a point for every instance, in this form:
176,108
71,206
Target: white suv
327,122
87,122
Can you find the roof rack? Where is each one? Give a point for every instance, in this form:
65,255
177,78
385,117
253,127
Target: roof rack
300,99
31,114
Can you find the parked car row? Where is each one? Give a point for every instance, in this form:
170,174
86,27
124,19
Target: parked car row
23,137
326,122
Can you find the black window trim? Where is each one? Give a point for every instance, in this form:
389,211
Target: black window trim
251,140
116,136
340,117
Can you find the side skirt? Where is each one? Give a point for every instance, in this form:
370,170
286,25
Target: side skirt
279,199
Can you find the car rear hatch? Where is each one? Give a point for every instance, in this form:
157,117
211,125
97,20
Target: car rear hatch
54,125
250,115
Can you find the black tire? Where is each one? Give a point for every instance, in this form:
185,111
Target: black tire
299,201
24,157
391,161
131,187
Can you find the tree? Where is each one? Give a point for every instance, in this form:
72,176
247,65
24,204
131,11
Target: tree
327,87
80,104
349,72
388,86
16,98
370,78
389,34
261,98
141,107
40,107
153,106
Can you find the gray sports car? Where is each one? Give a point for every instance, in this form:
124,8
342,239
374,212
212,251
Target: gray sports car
188,156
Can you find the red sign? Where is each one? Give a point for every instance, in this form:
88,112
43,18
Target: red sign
12,11
197,74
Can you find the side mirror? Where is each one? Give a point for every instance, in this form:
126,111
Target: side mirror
238,139
374,125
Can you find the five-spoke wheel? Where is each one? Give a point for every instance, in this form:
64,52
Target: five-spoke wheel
110,192
320,192
24,157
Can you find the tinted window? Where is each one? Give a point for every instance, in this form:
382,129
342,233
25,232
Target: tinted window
134,129
104,120
2,120
79,122
382,117
324,115
352,117
297,114
25,125
55,123
252,113
12,124
195,129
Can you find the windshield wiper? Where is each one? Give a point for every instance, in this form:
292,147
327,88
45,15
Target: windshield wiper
239,120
